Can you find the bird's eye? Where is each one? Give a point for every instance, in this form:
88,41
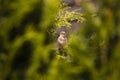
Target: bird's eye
63,36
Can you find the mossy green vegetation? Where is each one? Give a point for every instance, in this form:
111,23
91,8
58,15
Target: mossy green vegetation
27,41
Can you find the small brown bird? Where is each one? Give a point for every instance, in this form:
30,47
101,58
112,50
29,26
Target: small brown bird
62,39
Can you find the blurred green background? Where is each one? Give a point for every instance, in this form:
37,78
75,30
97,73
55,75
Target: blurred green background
27,39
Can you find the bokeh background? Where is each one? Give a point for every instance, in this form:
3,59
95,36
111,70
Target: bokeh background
27,40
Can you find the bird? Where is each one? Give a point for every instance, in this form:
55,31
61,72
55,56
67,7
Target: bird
62,39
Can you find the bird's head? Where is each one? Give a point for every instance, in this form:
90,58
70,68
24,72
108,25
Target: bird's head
63,33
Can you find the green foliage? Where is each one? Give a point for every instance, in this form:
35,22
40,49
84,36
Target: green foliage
65,17
27,45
